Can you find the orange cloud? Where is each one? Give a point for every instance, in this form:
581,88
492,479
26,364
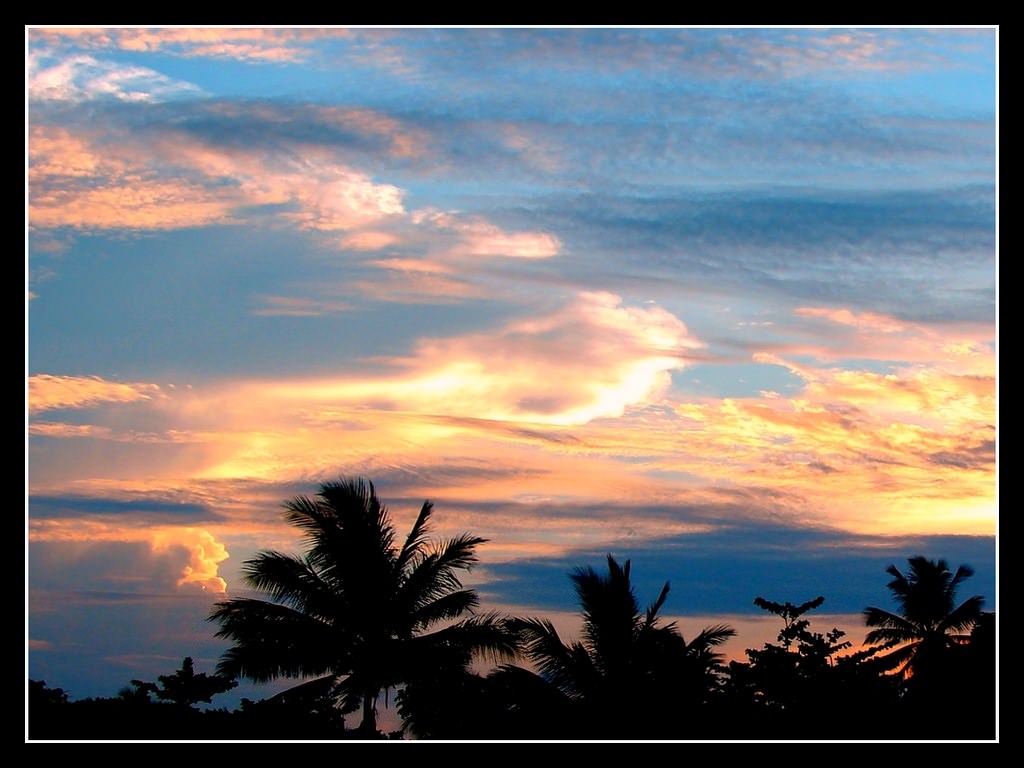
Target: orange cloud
205,553
589,360
55,152
178,182
148,205
61,429
368,241
869,321
193,555
47,392
573,406
868,335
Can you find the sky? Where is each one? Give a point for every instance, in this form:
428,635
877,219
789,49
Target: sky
718,301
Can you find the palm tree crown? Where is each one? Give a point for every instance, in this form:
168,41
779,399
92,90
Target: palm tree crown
929,622
355,606
627,660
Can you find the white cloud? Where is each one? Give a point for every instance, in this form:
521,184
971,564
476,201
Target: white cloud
85,78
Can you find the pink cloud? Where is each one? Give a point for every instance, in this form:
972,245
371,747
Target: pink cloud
177,182
476,237
368,241
959,348
147,205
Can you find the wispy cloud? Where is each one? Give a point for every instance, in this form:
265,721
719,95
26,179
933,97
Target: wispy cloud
253,44
48,392
295,306
85,78
172,182
702,52
479,238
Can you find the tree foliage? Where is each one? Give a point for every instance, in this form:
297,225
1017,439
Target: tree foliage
357,606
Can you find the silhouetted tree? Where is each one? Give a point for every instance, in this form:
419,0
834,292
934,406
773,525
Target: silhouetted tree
930,640
356,607
185,687
929,623
307,711
630,675
804,686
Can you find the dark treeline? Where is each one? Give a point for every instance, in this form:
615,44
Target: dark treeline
360,614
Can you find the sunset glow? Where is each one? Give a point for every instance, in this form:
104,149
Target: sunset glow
666,293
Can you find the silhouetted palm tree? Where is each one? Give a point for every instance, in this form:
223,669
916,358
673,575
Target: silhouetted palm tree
929,622
355,606
629,669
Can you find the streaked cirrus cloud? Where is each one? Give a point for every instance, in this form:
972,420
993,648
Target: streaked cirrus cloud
244,43
47,392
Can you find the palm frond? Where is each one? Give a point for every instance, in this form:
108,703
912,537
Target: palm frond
415,540
964,616
652,610
293,581
450,606
710,637
488,636
901,658
543,646
611,614
877,617
354,511
435,574
899,586
273,640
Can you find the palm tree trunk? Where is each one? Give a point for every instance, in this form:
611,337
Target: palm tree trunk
369,724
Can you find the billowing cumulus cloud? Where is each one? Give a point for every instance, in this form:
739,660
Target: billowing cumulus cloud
104,557
48,392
